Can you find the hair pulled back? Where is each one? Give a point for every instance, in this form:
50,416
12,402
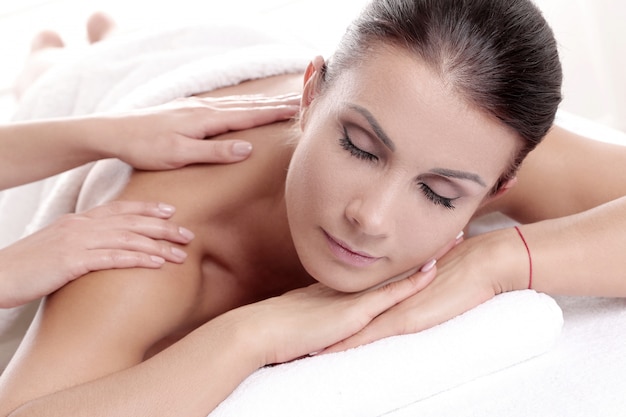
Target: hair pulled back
499,55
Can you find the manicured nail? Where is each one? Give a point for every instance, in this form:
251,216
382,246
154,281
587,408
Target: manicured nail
157,260
428,265
186,233
460,235
241,148
166,209
179,253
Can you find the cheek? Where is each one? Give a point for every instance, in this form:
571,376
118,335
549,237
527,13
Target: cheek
421,235
315,172
307,183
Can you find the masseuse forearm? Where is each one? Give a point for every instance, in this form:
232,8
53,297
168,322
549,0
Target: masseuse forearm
35,150
188,379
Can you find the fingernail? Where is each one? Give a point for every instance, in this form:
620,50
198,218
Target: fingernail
242,148
428,265
180,254
157,260
186,233
166,209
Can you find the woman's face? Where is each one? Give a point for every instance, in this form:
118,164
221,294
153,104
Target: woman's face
390,167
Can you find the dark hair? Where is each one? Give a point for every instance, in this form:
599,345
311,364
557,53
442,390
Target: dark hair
499,55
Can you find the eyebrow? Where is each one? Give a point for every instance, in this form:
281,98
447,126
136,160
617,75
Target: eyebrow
451,173
378,130
384,138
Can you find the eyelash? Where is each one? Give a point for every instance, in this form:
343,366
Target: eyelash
436,198
359,153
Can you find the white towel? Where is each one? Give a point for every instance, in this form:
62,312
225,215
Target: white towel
381,377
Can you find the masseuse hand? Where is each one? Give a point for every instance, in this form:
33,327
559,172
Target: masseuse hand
154,138
115,235
169,136
472,272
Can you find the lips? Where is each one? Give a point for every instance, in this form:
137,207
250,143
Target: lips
344,253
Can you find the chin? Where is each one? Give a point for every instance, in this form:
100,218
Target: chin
338,280
345,286
398,277
355,282
346,280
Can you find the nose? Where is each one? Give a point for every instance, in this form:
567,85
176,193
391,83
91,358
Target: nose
373,211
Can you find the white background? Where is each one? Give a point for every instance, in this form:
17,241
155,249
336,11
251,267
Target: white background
591,35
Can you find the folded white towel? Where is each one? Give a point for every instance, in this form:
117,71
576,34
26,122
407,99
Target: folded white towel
384,376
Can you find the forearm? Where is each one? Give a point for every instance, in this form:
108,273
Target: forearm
581,254
188,379
30,151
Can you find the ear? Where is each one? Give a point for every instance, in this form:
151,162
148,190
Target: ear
312,77
501,191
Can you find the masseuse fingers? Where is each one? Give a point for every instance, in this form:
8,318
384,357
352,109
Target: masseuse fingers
129,219
227,151
148,241
243,117
116,208
150,227
102,259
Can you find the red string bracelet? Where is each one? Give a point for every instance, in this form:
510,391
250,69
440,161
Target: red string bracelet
530,259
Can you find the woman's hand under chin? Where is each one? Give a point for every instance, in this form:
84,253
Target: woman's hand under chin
307,320
310,320
473,272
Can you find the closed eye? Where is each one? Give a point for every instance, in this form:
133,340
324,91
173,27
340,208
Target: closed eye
437,199
347,144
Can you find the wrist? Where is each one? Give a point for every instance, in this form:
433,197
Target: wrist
245,337
82,139
506,260
99,137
